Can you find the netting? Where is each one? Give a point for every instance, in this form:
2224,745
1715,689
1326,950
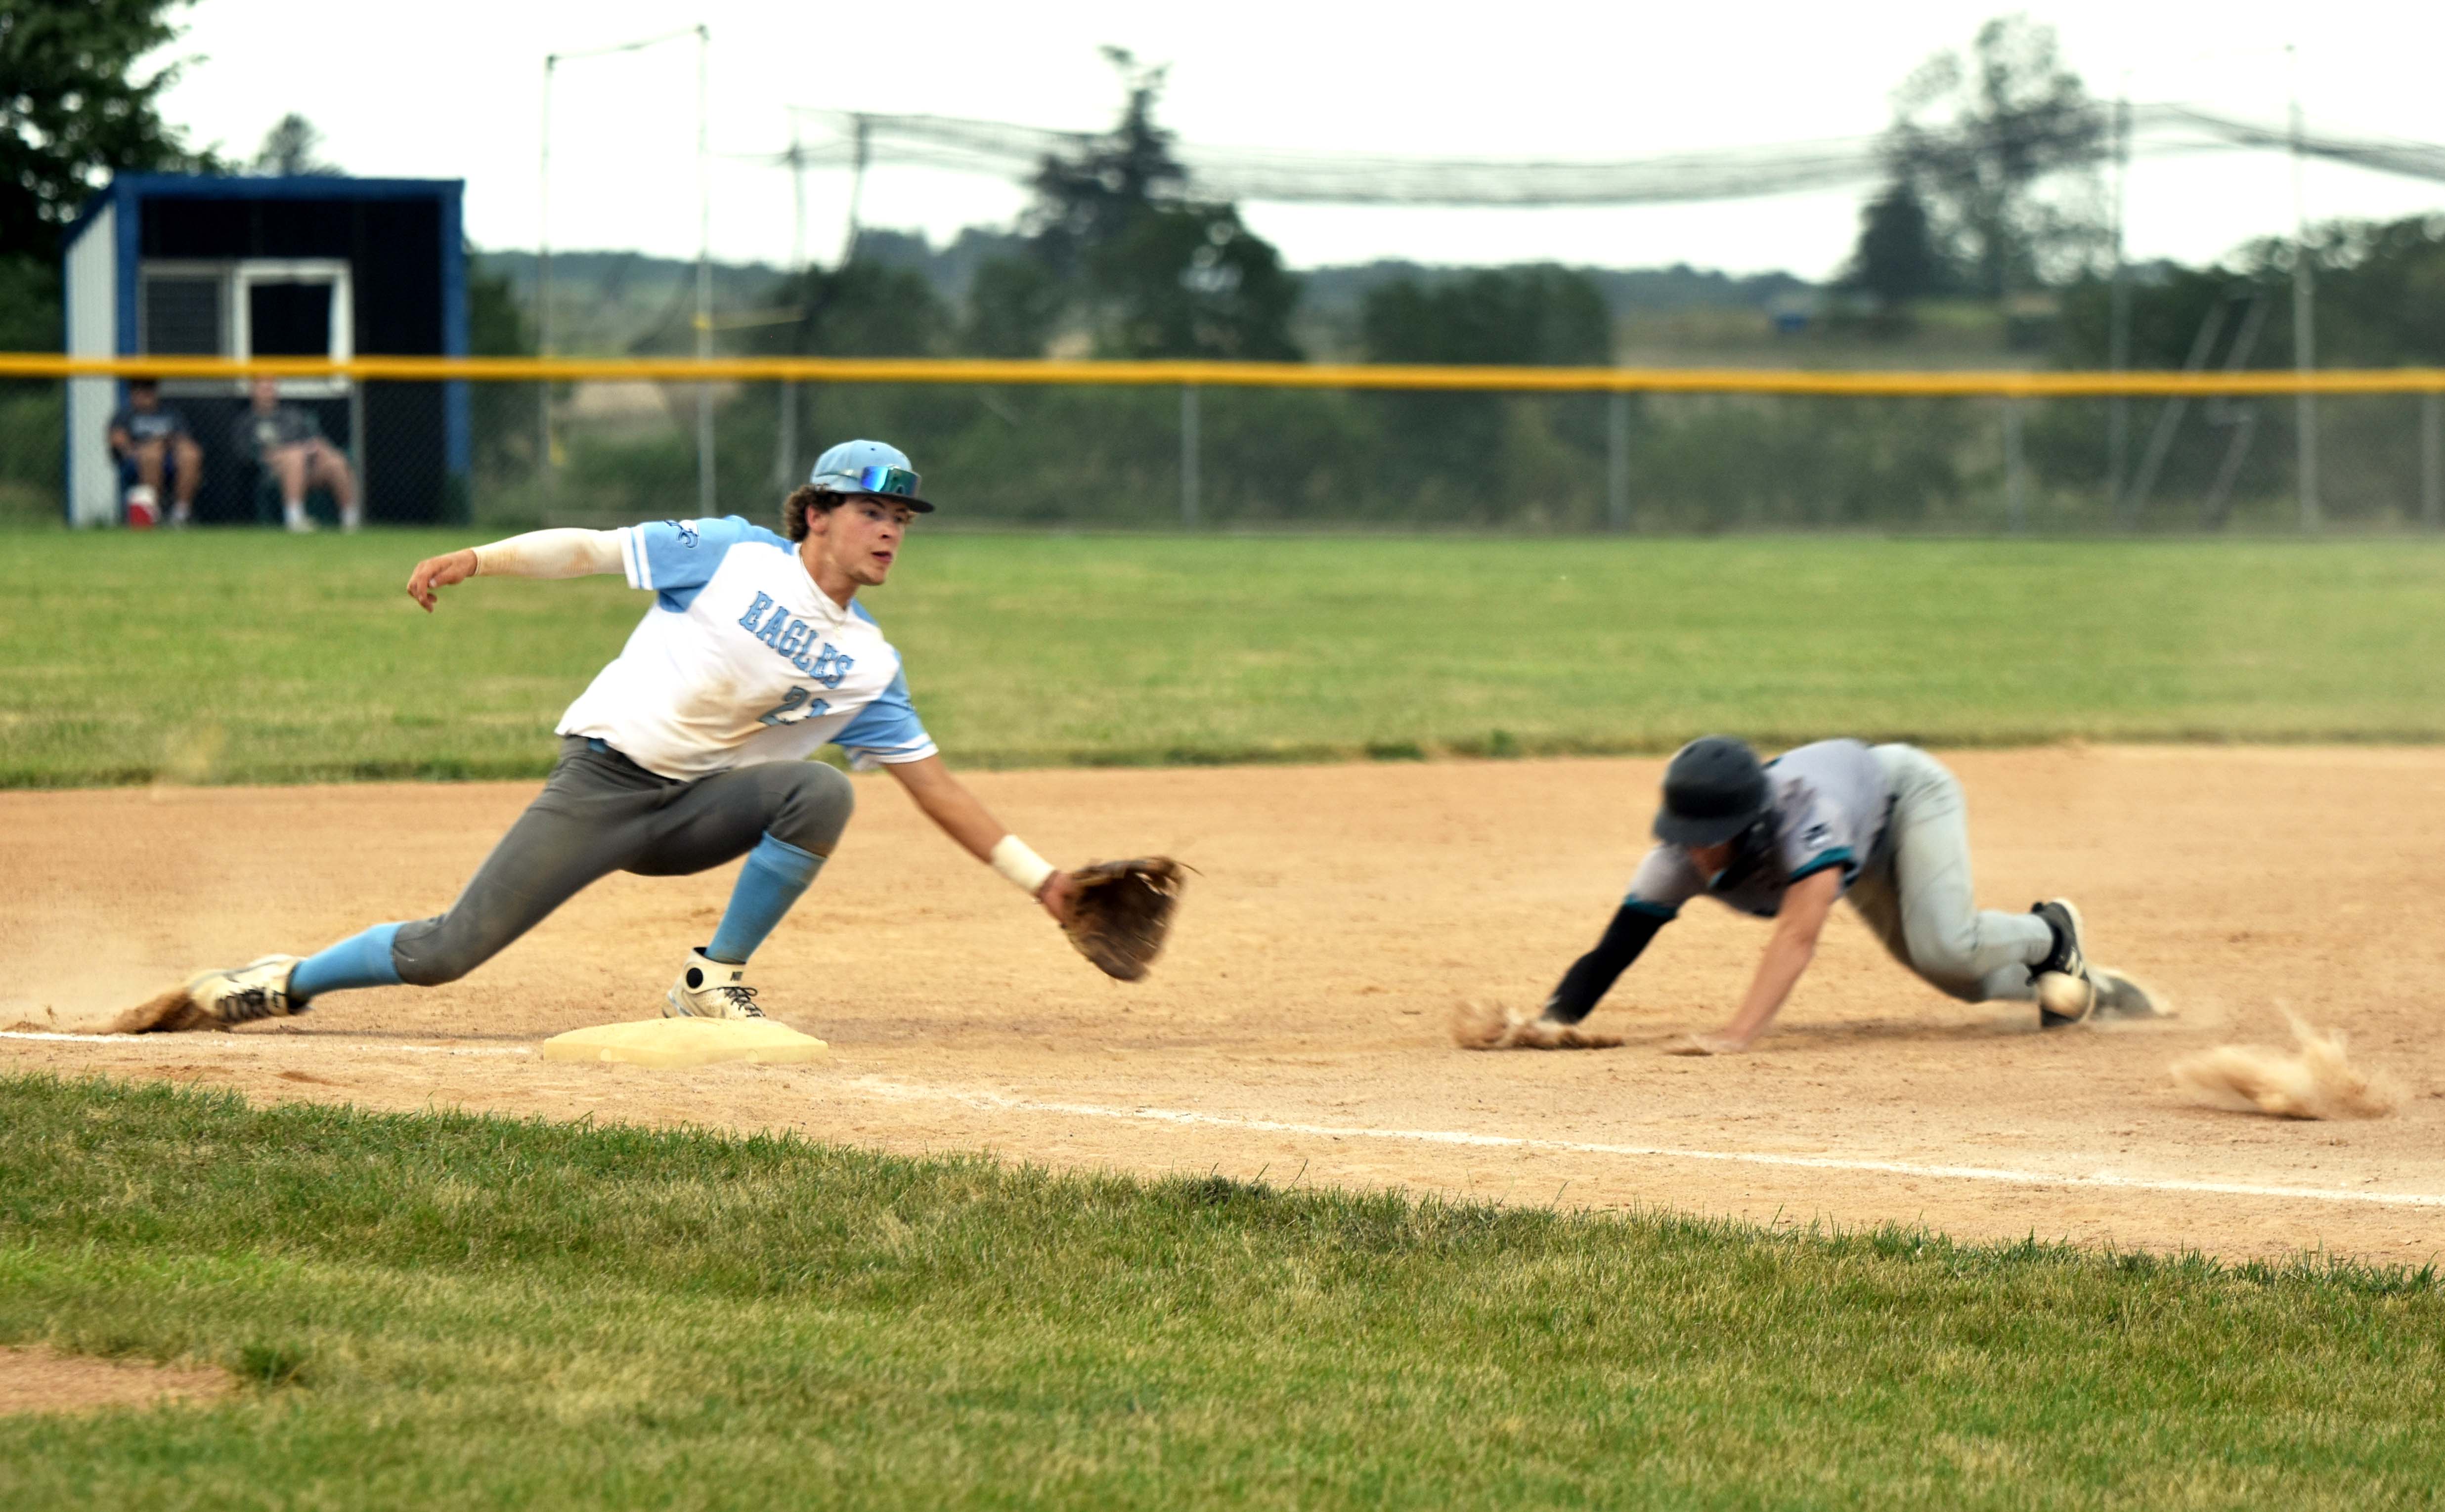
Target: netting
1007,149
33,450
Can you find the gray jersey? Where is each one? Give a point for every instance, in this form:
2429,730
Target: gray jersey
254,433
142,425
1829,802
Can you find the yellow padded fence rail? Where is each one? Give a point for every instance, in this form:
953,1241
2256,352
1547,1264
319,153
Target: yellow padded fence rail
1965,383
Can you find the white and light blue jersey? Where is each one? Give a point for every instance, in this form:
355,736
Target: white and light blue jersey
741,659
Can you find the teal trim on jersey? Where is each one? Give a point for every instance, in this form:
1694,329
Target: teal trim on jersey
1838,856
1665,911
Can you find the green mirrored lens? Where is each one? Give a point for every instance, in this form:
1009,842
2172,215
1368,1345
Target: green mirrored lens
894,480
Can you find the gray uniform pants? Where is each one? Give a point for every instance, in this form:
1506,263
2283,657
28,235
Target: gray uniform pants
1914,893
601,812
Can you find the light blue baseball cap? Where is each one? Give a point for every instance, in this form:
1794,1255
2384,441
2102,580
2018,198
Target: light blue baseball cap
870,467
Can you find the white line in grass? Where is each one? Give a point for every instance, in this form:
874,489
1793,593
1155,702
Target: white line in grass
322,1043
994,1102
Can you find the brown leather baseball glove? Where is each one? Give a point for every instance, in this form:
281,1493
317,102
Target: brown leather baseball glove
1122,911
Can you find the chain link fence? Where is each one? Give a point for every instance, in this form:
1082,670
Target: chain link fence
1166,456
33,451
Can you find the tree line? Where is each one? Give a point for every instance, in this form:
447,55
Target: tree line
1995,155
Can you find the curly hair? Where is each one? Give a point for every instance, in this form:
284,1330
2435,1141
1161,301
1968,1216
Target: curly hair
802,498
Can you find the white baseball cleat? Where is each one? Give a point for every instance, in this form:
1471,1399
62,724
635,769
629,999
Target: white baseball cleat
711,989
259,989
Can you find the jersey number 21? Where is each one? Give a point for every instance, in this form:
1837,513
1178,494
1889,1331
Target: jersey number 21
793,709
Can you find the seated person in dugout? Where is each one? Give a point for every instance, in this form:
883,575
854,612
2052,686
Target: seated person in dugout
1781,840
289,444
153,447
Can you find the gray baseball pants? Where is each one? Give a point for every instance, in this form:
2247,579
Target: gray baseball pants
1916,893
601,812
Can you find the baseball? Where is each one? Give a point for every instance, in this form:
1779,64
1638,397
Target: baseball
2059,992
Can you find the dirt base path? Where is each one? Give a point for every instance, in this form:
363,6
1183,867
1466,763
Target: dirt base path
1299,1029
43,1380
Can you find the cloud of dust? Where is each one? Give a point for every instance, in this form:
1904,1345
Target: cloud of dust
168,1012
117,920
2314,1080
190,756
78,975
78,967
1488,1026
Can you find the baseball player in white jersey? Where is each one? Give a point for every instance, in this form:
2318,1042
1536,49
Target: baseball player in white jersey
1883,825
689,749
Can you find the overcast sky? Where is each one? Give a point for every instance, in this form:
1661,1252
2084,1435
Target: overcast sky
452,88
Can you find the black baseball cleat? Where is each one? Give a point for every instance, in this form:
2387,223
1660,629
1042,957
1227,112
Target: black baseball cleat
2068,956
2073,999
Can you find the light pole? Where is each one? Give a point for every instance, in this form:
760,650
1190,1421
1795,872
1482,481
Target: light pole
543,287
705,490
785,453
2118,339
552,60
2305,330
856,188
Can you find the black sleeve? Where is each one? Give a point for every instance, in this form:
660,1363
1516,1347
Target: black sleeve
1593,975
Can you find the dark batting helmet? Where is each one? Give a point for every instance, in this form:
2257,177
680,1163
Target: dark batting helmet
1713,790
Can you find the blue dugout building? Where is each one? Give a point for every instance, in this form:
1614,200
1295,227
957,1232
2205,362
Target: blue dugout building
177,264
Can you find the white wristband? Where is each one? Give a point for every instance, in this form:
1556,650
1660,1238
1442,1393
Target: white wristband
1024,867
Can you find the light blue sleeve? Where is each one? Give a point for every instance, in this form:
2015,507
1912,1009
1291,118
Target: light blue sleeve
885,731
665,554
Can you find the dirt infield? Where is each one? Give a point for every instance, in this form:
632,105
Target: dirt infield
1299,1028
43,1380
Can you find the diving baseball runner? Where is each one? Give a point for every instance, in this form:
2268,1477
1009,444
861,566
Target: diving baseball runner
1884,825
688,750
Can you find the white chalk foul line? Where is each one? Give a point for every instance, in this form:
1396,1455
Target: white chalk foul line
320,1044
994,1102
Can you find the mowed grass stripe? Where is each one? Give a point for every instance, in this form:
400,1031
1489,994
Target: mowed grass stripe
242,657
451,1310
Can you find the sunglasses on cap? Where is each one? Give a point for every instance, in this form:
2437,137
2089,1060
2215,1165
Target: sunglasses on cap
895,482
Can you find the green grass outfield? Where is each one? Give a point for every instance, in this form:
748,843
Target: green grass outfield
243,656
442,1310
